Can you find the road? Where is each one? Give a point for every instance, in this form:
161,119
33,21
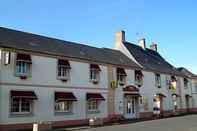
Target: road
185,123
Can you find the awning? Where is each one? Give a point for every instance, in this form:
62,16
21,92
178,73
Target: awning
161,95
131,88
23,94
95,66
177,95
65,96
132,94
187,95
121,71
94,96
23,57
64,63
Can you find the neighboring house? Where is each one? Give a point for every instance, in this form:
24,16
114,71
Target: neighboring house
48,80
162,83
189,90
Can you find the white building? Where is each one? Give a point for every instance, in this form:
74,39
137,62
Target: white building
162,86
65,83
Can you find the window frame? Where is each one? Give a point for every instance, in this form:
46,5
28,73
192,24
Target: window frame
121,78
186,85
62,69
22,65
20,112
138,80
93,105
94,73
69,108
158,80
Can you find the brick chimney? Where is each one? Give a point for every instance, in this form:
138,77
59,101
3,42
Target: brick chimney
153,46
142,43
119,38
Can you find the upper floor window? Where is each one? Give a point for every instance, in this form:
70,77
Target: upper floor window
23,65
195,87
63,69
186,82
121,76
172,83
94,72
139,78
158,80
7,57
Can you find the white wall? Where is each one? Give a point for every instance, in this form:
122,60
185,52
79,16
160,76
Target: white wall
44,107
44,82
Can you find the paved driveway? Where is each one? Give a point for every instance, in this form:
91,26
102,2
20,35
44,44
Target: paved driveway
185,123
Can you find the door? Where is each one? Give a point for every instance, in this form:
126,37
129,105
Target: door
187,103
130,107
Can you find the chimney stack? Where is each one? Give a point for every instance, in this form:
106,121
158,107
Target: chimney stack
119,39
142,43
153,46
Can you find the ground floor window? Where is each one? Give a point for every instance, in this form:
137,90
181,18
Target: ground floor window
93,105
63,106
21,105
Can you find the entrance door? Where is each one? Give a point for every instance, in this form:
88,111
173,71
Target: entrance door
187,103
130,105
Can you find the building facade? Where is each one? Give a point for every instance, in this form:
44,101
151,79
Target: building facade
60,83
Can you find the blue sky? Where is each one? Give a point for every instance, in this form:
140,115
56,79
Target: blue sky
169,23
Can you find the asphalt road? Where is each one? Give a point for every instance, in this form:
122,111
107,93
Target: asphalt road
185,123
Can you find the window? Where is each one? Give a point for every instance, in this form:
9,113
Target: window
121,76
195,87
93,105
7,56
63,106
21,105
22,68
94,75
138,78
94,72
185,81
158,80
23,65
63,69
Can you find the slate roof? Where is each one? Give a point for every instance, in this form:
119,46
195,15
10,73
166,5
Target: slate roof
151,60
186,72
10,38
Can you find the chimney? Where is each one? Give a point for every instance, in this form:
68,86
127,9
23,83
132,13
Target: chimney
119,38
153,46
142,43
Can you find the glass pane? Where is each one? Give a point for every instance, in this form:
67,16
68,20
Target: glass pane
25,105
15,105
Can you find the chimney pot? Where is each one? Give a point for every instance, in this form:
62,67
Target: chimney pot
153,46
142,43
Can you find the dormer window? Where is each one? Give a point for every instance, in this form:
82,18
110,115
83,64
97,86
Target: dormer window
23,65
63,70
94,73
186,82
158,80
139,78
121,76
